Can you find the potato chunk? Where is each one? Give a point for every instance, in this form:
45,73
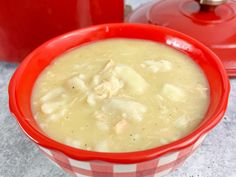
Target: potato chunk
54,93
125,108
57,115
131,78
78,83
91,100
173,92
50,107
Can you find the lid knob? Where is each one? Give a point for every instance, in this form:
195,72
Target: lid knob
211,2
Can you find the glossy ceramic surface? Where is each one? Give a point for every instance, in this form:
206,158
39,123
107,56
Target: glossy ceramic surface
26,24
212,25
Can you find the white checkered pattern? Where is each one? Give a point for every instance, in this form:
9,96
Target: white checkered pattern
124,168
76,163
168,158
153,168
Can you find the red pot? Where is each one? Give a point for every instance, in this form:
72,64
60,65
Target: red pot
160,160
25,24
212,22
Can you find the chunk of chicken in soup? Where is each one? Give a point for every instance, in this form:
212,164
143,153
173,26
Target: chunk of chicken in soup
120,95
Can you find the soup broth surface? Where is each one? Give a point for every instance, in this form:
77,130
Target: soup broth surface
120,95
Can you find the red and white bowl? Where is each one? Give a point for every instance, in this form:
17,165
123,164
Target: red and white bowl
156,162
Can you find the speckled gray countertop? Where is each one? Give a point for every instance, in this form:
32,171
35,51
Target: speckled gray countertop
19,157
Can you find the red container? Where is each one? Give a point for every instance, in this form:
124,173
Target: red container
25,24
159,160
212,22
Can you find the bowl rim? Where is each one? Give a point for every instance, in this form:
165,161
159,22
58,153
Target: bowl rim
120,157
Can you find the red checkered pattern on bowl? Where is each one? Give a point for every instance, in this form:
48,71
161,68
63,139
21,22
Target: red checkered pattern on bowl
153,168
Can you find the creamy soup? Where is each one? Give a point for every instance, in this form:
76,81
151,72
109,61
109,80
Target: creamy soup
120,95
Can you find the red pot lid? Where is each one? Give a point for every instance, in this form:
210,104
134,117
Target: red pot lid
213,22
